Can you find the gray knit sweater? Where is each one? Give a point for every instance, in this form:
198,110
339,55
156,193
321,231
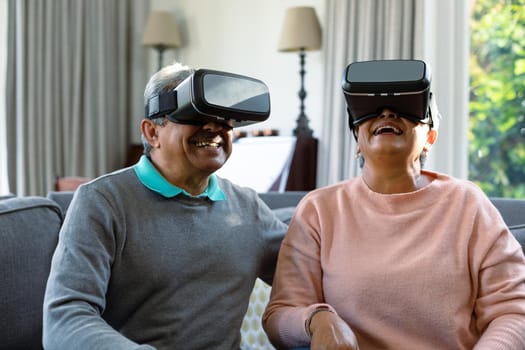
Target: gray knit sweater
133,267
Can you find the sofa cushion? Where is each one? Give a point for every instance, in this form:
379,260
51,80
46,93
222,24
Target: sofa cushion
62,198
519,232
282,199
252,334
512,210
29,234
284,214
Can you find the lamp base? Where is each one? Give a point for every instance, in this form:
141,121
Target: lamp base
302,128
160,50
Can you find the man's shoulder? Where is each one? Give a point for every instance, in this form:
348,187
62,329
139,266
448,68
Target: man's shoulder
123,181
232,189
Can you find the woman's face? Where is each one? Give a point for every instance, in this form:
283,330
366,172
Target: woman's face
390,138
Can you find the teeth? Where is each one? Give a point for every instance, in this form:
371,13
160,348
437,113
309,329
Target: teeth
208,141
387,128
208,144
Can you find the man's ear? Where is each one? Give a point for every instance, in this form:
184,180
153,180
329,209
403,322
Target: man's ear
149,131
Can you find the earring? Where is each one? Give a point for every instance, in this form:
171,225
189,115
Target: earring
423,158
360,159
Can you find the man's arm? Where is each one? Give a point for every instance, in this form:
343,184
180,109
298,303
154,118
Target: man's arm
80,273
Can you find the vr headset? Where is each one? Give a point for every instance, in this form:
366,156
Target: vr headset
400,85
209,95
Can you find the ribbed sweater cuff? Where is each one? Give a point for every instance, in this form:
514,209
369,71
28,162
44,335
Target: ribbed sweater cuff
504,333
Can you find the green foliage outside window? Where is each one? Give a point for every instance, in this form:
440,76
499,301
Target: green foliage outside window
497,97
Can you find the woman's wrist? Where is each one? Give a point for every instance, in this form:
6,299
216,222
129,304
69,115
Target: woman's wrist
315,311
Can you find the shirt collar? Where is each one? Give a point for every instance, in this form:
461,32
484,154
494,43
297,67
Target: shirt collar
152,179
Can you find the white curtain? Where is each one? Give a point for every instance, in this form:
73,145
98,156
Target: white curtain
74,88
357,30
391,29
446,46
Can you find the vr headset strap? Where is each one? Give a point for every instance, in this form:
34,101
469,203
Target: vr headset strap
161,105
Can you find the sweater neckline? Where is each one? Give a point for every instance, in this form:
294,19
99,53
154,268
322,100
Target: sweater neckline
391,202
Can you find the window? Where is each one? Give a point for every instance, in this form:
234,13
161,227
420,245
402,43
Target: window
497,97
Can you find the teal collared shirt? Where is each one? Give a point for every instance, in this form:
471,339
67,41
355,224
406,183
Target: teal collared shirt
152,179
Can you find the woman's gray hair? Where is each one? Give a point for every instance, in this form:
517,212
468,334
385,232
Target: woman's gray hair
163,81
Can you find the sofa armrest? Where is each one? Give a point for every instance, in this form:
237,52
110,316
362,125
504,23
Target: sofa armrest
29,234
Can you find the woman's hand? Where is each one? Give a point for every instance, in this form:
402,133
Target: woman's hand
330,332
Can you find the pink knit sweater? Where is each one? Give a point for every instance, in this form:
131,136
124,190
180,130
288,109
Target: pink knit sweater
431,269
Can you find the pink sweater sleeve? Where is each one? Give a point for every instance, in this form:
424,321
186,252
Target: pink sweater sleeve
504,333
296,289
495,305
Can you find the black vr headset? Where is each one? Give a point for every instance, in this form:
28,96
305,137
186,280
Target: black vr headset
209,95
400,85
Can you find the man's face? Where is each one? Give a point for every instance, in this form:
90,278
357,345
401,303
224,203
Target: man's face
193,149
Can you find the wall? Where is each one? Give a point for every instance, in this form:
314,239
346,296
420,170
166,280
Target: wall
242,36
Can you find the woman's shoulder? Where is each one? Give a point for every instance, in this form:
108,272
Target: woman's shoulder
459,190
454,183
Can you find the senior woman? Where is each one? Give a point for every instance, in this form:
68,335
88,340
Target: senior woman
398,257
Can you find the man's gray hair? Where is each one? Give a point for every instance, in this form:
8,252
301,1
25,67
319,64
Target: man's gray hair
163,81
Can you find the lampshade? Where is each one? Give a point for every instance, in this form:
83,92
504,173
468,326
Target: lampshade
161,30
301,30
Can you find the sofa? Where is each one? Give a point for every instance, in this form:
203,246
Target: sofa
29,229
29,233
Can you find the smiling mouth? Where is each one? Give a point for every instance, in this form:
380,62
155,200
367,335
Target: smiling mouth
207,144
387,129
215,142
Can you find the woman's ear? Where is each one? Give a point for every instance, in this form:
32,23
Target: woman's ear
431,138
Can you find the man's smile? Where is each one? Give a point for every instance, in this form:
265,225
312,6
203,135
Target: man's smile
201,142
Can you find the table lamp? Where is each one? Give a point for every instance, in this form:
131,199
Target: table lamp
301,32
161,33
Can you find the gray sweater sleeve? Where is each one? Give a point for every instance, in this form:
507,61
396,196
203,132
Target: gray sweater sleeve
273,236
75,294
